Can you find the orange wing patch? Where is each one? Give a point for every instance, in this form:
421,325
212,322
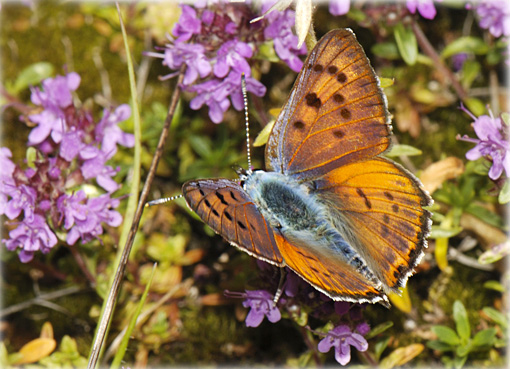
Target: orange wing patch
383,203
332,276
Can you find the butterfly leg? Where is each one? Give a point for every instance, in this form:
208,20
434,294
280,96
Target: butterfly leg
279,291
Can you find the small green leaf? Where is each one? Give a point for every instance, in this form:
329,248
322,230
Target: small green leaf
201,145
464,350
397,150
31,156
461,321
467,44
485,337
387,50
406,43
32,75
264,134
498,317
446,335
506,118
470,70
504,194
438,232
459,361
380,346
494,285
474,105
440,346
484,214
378,329
386,82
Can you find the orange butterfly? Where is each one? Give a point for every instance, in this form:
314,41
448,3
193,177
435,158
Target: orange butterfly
348,221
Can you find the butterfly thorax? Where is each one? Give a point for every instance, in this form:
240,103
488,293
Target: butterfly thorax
291,208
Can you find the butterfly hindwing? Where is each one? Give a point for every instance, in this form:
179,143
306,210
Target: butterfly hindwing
336,113
229,211
328,274
383,203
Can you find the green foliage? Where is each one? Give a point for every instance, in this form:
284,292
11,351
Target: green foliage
459,341
406,43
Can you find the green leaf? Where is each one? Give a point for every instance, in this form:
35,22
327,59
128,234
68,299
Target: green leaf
387,50
438,232
486,337
446,335
378,329
32,75
506,118
474,105
498,317
440,346
461,321
494,285
380,346
484,214
264,134
464,350
504,194
459,361
406,43
397,150
467,44
201,145
470,70
386,82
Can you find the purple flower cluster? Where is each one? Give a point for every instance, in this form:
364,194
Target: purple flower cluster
426,8
71,150
494,15
492,142
217,44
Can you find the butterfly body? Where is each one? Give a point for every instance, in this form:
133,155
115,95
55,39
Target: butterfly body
295,211
348,221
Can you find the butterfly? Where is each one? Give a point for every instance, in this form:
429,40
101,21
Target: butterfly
348,221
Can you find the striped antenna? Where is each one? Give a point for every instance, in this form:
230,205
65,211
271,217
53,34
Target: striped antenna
247,123
162,201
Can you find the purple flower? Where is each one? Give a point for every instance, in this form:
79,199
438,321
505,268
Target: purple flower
342,338
193,55
22,199
188,24
56,93
232,54
55,96
339,7
426,8
108,132
458,60
492,142
279,29
214,93
83,216
261,304
31,236
494,15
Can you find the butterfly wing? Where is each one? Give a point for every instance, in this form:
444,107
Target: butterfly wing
229,211
383,204
336,113
329,274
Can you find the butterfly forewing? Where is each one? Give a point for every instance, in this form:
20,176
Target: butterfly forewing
336,113
229,211
384,204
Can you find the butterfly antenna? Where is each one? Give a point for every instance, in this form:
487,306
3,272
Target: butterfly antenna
246,121
162,201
